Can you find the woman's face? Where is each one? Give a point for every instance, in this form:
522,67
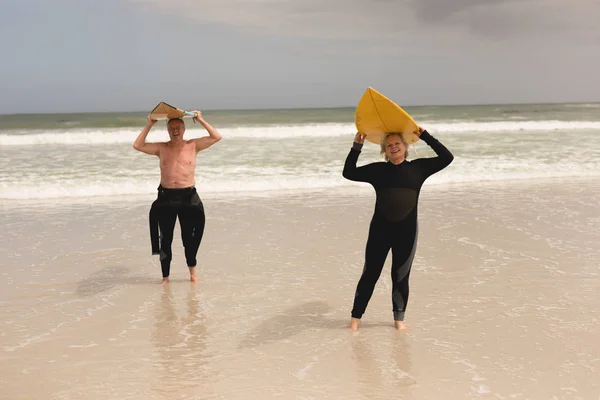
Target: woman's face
395,149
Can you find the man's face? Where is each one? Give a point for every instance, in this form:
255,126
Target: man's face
176,129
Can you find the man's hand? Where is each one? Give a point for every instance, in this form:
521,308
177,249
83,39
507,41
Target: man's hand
359,138
197,115
420,130
151,121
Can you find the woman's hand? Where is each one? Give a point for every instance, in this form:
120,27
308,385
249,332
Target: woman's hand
359,138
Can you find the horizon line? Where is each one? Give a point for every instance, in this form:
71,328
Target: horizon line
313,108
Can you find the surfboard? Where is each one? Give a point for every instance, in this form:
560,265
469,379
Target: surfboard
167,111
377,115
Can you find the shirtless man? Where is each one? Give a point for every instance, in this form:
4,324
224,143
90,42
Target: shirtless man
177,195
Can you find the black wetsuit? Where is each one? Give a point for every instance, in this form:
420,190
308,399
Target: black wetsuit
170,204
394,222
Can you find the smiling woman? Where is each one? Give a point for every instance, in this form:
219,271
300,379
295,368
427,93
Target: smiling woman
393,144
397,184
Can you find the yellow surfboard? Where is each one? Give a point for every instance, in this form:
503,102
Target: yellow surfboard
377,115
166,111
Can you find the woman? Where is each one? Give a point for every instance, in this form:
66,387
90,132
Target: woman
397,184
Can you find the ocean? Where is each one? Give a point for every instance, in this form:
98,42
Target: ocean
59,156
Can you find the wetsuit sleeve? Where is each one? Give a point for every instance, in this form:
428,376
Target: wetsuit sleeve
434,164
354,173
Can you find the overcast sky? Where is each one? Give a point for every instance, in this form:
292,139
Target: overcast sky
127,55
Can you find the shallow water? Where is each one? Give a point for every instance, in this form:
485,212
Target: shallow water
504,300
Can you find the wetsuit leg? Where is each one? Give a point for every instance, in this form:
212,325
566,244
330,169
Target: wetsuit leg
404,247
378,246
166,215
192,221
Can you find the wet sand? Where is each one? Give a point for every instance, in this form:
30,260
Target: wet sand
504,299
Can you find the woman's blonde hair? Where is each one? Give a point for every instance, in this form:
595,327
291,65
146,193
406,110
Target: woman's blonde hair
384,142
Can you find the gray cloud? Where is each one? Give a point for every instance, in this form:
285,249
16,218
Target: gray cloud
385,19
508,18
305,18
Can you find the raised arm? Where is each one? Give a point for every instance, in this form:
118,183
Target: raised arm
351,171
213,135
140,143
444,157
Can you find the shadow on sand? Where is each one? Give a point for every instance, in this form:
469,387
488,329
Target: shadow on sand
108,278
294,320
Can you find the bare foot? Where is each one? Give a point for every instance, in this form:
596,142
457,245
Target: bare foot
165,281
354,324
193,277
401,327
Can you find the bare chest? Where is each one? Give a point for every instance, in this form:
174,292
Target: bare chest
180,156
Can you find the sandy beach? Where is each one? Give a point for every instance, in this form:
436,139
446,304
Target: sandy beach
504,302
504,297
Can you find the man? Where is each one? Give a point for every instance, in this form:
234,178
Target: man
177,196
